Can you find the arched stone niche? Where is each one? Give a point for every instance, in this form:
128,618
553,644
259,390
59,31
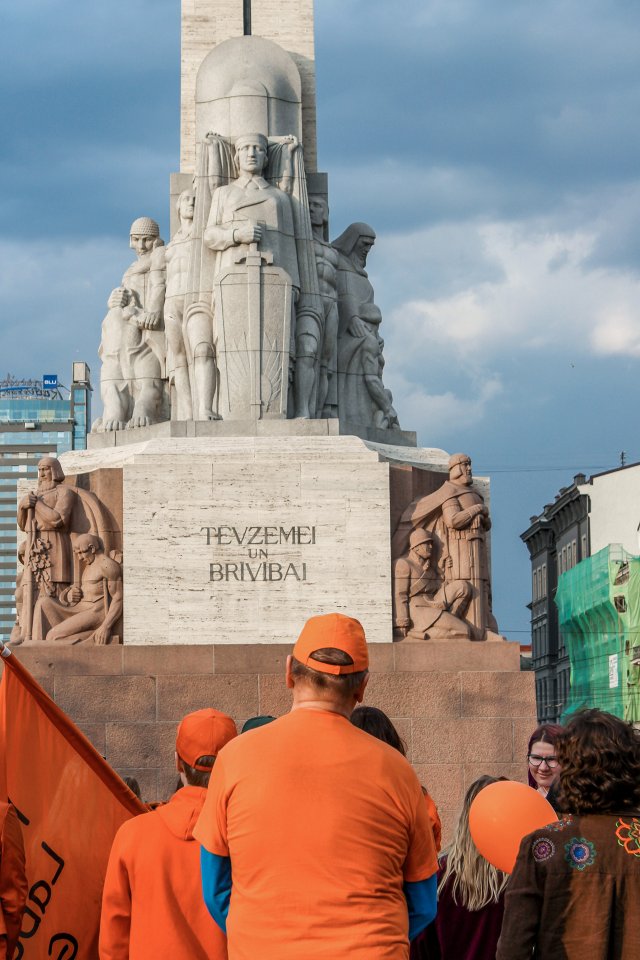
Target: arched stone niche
248,85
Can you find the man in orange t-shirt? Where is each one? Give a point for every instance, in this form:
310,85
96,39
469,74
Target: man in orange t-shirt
152,904
316,837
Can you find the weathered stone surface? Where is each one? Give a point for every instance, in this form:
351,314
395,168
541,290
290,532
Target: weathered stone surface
48,660
408,695
96,733
168,659
497,695
421,656
132,744
265,658
468,740
234,694
101,698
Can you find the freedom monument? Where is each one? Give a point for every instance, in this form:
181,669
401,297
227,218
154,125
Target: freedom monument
249,468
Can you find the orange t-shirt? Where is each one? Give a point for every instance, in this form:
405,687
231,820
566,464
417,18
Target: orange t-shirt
323,824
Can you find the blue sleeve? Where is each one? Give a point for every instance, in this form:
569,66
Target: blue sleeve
422,899
216,885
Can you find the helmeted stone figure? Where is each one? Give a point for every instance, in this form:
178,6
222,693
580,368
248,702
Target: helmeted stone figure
362,396
459,517
132,348
425,605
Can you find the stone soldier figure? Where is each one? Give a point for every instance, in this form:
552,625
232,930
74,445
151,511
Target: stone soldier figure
425,606
460,518
327,259
132,347
87,610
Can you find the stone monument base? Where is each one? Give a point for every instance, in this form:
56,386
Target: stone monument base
462,708
251,428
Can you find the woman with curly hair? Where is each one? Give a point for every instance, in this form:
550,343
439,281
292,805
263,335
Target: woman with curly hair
575,888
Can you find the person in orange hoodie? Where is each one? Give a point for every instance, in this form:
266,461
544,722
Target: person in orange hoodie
13,880
152,904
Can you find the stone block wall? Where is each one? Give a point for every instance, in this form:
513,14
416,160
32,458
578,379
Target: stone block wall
462,708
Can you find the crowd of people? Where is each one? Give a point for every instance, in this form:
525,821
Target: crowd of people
310,836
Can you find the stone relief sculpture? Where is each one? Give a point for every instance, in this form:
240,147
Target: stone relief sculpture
132,348
362,396
87,610
425,604
327,266
45,516
458,518
177,256
51,589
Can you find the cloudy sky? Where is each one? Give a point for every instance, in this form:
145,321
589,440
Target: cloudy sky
493,146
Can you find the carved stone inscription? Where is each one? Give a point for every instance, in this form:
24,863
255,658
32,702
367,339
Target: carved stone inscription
259,566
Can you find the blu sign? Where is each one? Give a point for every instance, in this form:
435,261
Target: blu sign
50,381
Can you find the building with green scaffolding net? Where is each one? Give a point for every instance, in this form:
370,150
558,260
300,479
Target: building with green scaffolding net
598,604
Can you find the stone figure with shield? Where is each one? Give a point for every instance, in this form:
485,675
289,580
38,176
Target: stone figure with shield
253,316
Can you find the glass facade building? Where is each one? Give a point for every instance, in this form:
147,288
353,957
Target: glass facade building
38,418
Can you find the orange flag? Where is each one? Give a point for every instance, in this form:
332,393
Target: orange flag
70,804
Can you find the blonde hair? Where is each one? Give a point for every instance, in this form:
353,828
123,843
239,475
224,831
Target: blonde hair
475,883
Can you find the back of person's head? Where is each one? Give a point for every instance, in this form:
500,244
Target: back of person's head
377,723
331,655
201,735
254,722
474,881
545,733
134,786
599,757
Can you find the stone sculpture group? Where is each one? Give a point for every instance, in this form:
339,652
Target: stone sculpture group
441,581
70,587
249,312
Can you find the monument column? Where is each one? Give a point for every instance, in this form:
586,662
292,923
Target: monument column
207,23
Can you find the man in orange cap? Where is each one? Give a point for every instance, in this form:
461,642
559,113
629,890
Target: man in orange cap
315,836
152,903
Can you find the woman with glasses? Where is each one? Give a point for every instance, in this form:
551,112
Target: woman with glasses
544,768
575,888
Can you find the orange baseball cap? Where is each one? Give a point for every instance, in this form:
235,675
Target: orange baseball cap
203,734
333,630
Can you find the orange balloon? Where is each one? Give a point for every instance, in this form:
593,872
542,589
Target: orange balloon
501,815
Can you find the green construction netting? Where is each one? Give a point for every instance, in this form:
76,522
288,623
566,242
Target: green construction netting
598,605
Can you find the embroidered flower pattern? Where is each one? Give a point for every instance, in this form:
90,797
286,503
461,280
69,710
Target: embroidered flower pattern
579,853
560,824
628,835
543,849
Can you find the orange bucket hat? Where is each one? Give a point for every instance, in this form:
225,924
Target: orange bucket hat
203,734
337,631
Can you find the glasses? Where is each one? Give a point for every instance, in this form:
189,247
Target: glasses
535,761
